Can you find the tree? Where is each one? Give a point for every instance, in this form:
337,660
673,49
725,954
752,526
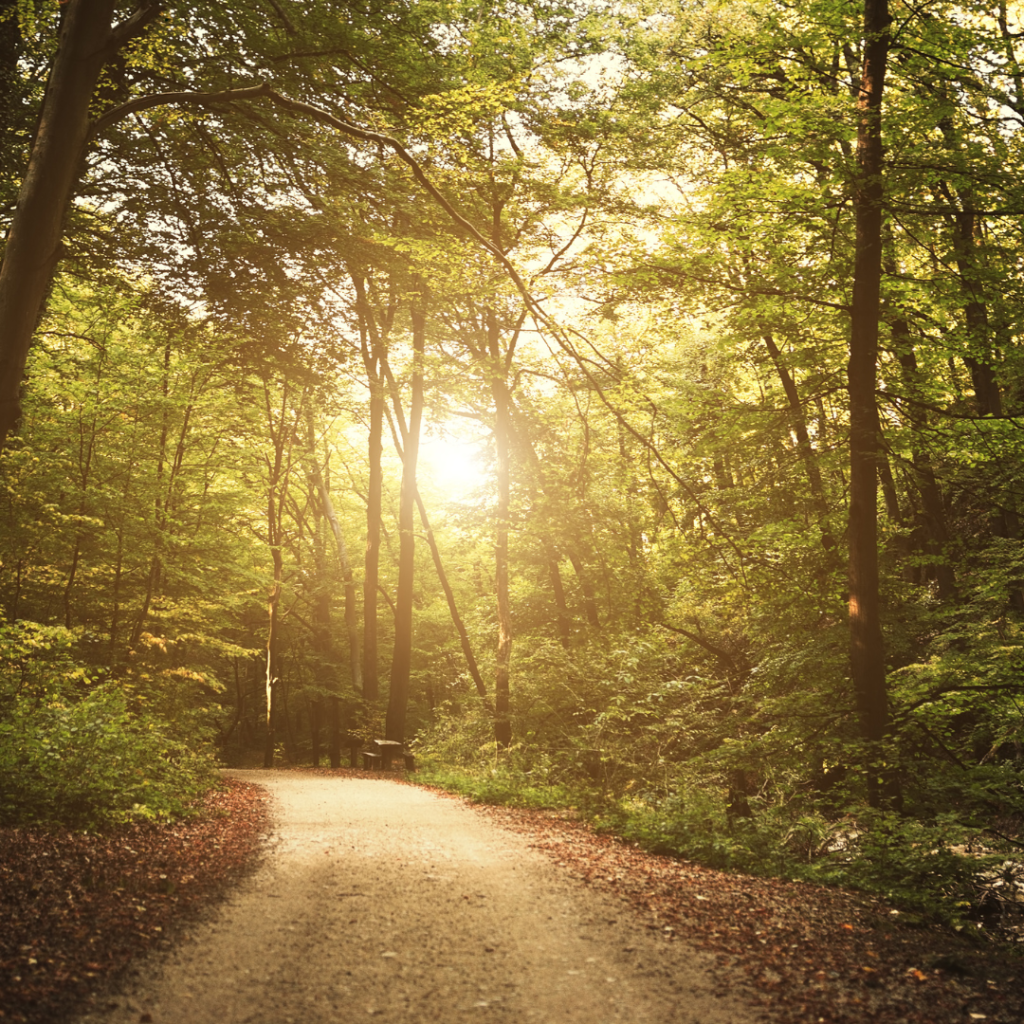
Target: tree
401,662
867,654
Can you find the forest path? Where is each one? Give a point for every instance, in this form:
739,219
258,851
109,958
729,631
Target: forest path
381,901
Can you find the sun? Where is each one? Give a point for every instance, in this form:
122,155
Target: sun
454,465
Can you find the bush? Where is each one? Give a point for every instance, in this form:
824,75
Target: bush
74,752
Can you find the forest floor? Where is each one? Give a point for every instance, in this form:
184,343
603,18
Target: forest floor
375,899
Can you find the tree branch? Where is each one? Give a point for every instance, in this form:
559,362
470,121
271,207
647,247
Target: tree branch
132,26
171,99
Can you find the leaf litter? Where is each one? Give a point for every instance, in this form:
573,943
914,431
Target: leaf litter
76,907
809,953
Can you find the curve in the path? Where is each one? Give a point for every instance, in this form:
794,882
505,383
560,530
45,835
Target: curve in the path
379,901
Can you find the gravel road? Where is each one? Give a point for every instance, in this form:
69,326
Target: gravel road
384,901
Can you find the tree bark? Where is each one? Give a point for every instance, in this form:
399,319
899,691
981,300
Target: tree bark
589,598
279,471
316,715
401,663
371,348
371,562
351,612
867,655
273,604
561,609
400,435
934,513
502,443
799,421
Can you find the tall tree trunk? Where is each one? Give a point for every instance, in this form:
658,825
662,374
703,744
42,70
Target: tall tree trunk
33,246
290,745
401,663
115,613
502,444
400,436
273,603
155,566
561,609
589,598
239,707
372,349
988,398
934,513
282,434
351,611
867,656
371,577
888,482
76,554
87,448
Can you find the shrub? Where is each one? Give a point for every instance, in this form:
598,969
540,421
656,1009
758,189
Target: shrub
75,752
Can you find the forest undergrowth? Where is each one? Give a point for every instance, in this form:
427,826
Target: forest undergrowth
959,866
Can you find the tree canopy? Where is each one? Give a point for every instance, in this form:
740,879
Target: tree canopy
616,403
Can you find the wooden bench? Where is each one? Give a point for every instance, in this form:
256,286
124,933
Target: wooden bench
383,753
387,749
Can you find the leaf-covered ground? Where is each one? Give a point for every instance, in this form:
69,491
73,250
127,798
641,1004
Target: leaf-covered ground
76,907
810,953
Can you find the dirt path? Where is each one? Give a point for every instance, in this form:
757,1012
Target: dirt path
383,901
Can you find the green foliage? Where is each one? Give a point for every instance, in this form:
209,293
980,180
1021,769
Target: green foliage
654,759
503,785
73,751
676,184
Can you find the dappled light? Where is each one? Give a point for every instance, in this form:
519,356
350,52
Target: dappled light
603,411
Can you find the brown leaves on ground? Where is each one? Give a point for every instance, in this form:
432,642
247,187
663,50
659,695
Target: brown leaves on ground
75,907
809,953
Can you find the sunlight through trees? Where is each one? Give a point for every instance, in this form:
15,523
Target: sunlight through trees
619,405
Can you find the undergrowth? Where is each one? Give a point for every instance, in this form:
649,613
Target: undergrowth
938,869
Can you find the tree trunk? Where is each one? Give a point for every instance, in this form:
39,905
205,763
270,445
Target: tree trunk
561,609
282,435
401,663
290,745
867,656
33,246
400,437
239,707
799,422
371,580
34,241
371,352
272,646
589,599
316,714
334,732
502,439
934,514
351,612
